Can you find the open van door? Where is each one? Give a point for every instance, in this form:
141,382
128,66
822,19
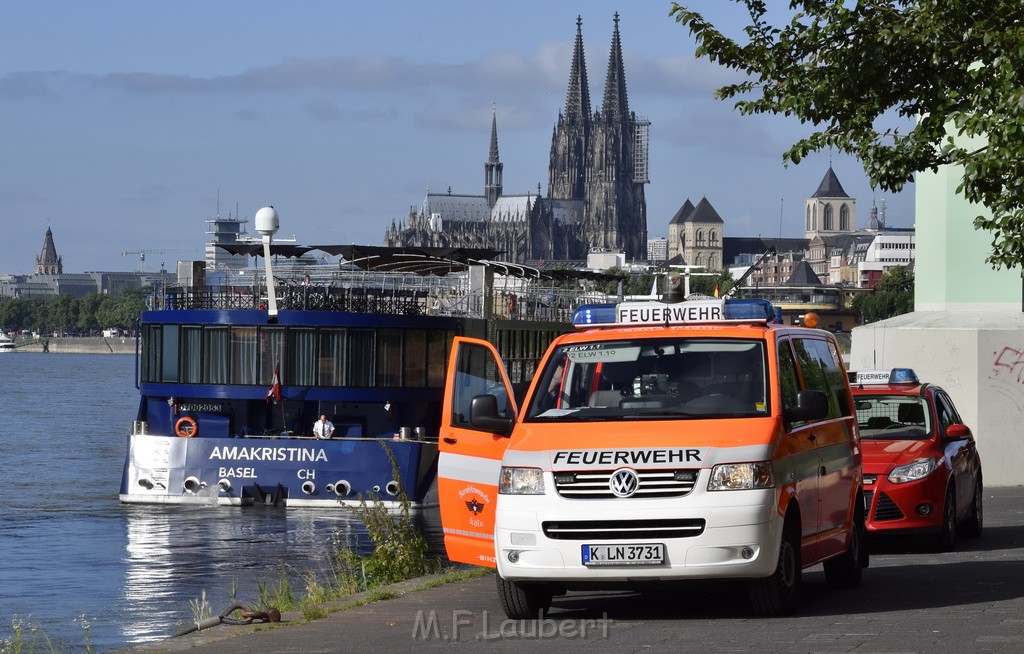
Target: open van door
470,456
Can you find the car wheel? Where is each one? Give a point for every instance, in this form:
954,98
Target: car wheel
844,571
523,601
971,528
778,594
946,540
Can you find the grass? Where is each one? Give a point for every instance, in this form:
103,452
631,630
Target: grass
29,638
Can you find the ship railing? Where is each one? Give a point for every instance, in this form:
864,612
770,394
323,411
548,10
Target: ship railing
395,295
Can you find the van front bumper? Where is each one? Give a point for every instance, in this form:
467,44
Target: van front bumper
739,537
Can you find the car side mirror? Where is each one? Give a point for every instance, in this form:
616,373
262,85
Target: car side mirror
810,406
483,414
958,432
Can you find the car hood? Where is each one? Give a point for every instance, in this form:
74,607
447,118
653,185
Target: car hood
879,457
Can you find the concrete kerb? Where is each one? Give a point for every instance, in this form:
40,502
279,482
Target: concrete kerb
213,635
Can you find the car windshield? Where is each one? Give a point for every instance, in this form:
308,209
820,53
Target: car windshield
664,378
893,417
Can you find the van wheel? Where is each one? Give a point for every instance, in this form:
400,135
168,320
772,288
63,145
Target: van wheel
844,571
778,594
972,526
523,601
946,540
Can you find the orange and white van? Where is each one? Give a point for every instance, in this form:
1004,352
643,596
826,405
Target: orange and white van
661,441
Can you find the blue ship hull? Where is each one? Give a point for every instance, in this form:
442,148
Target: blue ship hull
279,471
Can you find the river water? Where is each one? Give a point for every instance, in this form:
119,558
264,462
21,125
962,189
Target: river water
71,550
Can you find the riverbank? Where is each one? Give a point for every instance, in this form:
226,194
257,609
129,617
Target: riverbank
912,599
82,345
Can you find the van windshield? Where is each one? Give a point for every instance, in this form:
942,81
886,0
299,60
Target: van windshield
661,378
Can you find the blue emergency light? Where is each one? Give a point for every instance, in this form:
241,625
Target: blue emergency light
691,311
894,376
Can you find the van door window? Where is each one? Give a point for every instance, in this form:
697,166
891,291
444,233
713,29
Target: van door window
822,371
476,374
789,381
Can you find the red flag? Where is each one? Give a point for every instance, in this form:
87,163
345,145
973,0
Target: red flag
275,389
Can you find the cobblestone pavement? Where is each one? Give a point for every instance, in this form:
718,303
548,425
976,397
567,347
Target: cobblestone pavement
911,600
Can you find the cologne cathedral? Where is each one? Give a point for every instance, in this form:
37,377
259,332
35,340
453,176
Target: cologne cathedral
596,178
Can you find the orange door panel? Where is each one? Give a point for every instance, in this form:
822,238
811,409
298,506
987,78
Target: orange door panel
470,458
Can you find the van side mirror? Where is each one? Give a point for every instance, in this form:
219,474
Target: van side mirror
810,406
958,432
483,414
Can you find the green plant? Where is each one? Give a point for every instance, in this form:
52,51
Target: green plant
27,638
200,608
278,596
400,551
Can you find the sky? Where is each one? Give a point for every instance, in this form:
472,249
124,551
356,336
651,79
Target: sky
126,125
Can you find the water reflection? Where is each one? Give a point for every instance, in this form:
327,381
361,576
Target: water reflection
174,553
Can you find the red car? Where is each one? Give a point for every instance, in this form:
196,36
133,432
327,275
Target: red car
922,472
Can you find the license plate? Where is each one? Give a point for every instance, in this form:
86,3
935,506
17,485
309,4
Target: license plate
637,554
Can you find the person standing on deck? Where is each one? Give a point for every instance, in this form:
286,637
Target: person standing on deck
323,428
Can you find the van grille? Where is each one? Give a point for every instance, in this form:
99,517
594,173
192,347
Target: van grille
595,530
594,484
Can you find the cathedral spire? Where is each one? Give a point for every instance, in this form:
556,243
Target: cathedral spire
615,102
492,169
577,99
493,155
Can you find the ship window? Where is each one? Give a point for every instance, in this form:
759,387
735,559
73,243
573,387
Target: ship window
415,357
215,355
438,343
243,355
151,335
169,354
332,357
301,358
271,353
191,349
389,357
361,351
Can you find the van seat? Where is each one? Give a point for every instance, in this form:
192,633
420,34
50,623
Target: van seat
605,398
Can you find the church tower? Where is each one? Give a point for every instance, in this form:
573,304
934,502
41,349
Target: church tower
492,169
616,211
569,143
48,263
600,158
830,210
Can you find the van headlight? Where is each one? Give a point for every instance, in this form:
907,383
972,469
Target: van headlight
742,476
913,471
521,481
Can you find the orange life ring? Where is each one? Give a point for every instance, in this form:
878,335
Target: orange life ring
186,427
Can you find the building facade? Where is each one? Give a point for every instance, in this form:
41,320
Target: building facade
596,176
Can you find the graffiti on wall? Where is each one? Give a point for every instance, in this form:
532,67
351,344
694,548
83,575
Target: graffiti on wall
1009,361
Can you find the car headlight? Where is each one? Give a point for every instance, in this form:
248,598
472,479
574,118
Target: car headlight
521,481
913,471
742,476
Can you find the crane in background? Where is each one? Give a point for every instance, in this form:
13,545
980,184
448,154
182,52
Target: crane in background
142,255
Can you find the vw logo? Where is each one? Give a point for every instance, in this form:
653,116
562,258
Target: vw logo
623,482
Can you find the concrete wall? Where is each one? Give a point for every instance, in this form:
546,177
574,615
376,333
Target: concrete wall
84,345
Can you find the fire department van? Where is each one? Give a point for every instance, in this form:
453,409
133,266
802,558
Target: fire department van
661,441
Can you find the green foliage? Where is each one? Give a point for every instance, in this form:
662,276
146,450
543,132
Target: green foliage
399,548
893,295
277,595
860,72
63,313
